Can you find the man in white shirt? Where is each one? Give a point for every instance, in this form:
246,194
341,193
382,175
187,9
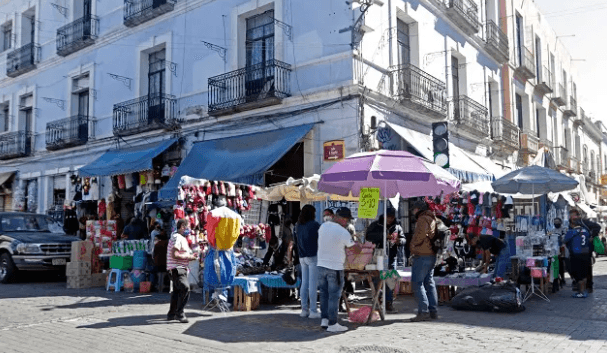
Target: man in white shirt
333,239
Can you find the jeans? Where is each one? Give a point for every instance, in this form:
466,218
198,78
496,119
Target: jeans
330,283
181,292
309,284
422,280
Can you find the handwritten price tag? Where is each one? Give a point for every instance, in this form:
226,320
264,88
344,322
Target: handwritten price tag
368,203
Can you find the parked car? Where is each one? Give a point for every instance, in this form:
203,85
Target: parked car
31,242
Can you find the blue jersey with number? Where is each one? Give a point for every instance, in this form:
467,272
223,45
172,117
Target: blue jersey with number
578,240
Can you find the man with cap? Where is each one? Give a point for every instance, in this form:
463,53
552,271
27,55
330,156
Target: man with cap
333,239
424,261
395,240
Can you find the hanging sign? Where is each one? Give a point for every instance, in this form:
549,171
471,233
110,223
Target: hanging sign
604,192
368,203
334,150
604,179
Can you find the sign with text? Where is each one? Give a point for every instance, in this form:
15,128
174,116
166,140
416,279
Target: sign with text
368,203
334,150
604,179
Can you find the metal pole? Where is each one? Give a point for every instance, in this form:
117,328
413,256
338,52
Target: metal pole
383,306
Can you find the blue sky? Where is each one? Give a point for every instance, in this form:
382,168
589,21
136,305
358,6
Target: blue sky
587,20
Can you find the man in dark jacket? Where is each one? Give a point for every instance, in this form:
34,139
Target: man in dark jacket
594,229
395,240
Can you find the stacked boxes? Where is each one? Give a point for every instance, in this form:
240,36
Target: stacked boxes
78,271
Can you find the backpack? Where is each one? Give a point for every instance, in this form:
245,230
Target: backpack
441,234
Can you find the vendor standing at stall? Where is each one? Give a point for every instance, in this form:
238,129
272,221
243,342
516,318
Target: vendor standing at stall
396,239
307,246
333,239
581,235
489,245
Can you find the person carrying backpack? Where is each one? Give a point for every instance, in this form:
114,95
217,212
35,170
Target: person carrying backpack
423,261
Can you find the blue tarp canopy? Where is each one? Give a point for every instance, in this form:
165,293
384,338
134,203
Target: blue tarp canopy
240,159
127,160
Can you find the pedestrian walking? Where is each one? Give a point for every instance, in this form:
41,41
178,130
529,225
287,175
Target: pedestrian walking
179,256
333,239
306,233
579,240
423,260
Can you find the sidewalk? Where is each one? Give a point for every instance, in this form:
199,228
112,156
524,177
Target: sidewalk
46,317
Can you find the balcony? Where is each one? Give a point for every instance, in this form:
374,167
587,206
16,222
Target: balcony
137,12
526,64
150,112
571,109
16,144
22,60
417,90
77,35
496,42
69,132
564,161
465,14
505,135
545,81
252,87
530,143
471,116
560,96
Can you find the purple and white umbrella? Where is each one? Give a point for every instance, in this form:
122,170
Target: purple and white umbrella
393,172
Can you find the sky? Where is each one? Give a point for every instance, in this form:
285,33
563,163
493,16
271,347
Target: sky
587,20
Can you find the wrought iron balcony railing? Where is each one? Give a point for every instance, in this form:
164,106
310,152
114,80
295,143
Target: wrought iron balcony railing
470,115
560,96
72,131
419,90
497,42
77,35
137,12
465,14
571,109
544,83
526,63
150,112
564,161
251,87
16,144
505,134
22,60
530,143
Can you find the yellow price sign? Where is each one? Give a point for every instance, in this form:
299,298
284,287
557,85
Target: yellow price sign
368,203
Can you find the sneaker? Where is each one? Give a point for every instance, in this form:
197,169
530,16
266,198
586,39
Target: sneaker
324,323
304,313
421,317
171,317
337,328
580,295
183,320
434,315
314,315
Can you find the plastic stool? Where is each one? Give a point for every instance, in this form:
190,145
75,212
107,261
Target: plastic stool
115,280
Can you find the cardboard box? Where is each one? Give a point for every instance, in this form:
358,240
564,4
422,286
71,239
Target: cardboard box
79,282
82,251
78,268
98,279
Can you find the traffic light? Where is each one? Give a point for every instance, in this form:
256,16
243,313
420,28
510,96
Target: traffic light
440,141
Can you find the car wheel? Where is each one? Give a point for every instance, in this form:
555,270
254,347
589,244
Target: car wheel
7,268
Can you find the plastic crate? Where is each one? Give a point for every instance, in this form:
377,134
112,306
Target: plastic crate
121,262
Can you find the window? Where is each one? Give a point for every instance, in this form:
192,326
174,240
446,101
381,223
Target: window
585,156
537,122
260,38
519,110
573,90
592,161
156,86
565,81
4,118
7,36
538,60
404,43
519,39
455,76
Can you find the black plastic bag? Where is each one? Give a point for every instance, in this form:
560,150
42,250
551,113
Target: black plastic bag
499,297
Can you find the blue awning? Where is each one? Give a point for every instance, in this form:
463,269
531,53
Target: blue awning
240,159
127,160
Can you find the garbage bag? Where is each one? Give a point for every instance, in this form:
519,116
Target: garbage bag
498,297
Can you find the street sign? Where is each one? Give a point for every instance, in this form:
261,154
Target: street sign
334,150
368,203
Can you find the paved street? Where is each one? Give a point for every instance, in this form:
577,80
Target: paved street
38,316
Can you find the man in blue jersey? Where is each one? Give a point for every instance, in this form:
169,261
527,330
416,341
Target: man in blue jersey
578,240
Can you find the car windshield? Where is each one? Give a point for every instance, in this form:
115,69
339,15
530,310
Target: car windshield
33,223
